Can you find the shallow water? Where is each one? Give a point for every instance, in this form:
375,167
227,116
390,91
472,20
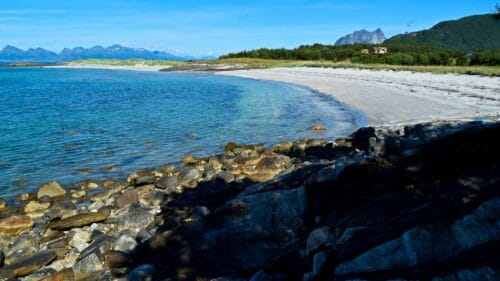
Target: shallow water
74,124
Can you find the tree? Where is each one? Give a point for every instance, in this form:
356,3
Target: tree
497,15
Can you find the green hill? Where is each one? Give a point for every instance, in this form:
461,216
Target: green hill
466,34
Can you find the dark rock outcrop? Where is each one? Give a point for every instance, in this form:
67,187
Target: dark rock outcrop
411,203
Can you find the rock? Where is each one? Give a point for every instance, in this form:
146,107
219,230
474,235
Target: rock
79,239
189,160
78,194
248,235
40,274
225,176
364,139
284,147
34,206
14,225
144,272
483,273
319,262
158,198
432,243
136,219
318,127
90,185
145,180
87,265
80,220
116,260
262,276
2,259
145,190
127,198
62,208
231,147
125,243
29,265
101,195
168,183
319,239
199,212
188,175
23,246
51,189
63,275
263,176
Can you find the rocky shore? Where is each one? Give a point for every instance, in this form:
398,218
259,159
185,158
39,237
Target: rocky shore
417,202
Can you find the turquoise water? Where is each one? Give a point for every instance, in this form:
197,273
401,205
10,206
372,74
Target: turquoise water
70,124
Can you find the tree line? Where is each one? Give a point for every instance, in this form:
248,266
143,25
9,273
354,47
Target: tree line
397,55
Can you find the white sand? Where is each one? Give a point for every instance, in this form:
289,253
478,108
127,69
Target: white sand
388,97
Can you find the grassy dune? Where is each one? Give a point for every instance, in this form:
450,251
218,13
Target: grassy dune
264,63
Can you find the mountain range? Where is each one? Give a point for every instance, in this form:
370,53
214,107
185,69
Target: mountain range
467,34
12,54
362,37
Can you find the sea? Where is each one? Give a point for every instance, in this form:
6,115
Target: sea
71,125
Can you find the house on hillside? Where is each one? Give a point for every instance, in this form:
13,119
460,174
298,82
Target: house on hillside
365,51
379,50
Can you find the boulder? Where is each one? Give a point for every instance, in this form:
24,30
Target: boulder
28,265
14,225
319,239
145,180
51,189
188,175
80,220
117,261
431,244
79,239
124,243
34,206
284,147
127,198
225,176
249,236
63,275
25,245
143,272
87,265
168,183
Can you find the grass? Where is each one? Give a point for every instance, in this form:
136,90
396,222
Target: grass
268,63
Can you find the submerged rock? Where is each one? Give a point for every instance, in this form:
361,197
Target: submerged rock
51,189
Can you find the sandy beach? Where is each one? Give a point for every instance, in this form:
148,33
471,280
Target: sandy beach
395,97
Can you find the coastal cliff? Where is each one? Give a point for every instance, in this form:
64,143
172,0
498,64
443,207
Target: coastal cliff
416,202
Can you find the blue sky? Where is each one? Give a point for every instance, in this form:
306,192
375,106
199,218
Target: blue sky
200,27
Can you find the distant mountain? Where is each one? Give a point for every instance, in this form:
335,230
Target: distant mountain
362,37
466,34
13,54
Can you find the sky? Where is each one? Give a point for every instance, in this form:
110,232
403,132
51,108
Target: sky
201,27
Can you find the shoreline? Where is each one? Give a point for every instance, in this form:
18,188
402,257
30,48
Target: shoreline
385,97
389,97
